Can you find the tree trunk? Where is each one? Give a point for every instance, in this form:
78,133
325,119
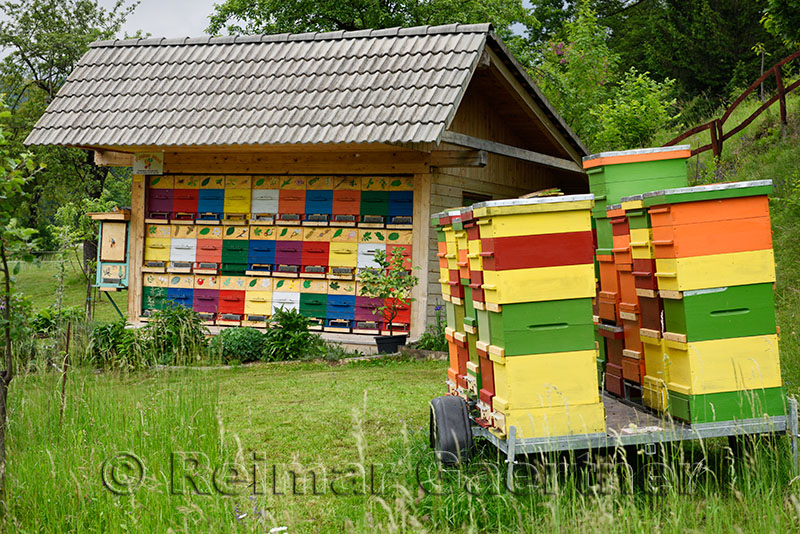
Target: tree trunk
6,375
89,257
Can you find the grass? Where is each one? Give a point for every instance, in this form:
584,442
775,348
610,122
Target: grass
40,283
333,420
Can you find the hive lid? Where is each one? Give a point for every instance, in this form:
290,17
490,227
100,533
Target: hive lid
532,205
708,192
638,155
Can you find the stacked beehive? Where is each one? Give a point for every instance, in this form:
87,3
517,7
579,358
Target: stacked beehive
313,234
718,357
622,254
520,318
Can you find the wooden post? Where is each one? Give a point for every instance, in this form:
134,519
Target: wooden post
136,249
781,98
420,247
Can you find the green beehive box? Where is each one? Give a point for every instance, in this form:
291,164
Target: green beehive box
543,327
632,172
484,333
154,298
727,406
313,305
455,316
470,315
723,312
605,237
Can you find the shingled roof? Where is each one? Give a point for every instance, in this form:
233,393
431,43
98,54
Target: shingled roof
371,86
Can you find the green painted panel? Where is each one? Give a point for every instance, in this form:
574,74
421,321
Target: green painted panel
440,236
450,315
470,315
313,304
639,218
605,237
601,345
234,251
473,353
727,406
154,298
721,313
626,179
543,327
459,312
484,332
375,203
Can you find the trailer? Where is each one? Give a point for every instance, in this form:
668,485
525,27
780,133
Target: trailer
453,432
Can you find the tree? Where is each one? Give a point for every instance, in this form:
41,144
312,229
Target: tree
43,41
782,19
297,16
15,171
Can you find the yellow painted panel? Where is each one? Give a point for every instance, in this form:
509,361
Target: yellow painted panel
535,224
551,422
641,243
632,204
212,181
266,182
259,283
543,283
399,237
343,255
319,182
187,182
184,231
716,270
262,232
184,281
158,231
654,393
155,280
237,182
286,285
113,240
401,183
722,365
203,281
258,303
292,182
342,287
289,233
344,235
209,232
474,255
161,182
348,183
547,380
313,286
318,233
655,358
375,183
236,232
237,200
370,235
156,249
549,207
235,283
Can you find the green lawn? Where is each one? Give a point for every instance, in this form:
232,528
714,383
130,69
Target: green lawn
40,283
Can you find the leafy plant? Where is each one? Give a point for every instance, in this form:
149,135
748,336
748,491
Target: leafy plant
433,336
233,345
290,339
391,283
49,320
176,336
114,346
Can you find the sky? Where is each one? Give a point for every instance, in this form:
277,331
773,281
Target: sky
167,18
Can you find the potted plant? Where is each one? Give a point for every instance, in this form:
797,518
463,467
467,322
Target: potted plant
391,283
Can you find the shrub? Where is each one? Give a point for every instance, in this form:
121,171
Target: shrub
237,345
290,339
433,337
391,283
49,320
113,346
176,336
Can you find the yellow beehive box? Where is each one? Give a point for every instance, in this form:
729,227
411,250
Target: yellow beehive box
539,284
642,243
655,393
157,249
237,201
721,365
343,254
654,354
552,422
717,270
550,215
560,379
258,303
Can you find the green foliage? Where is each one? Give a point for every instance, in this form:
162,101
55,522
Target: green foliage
633,115
389,281
50,320
433,336
782,19
237,345
290,338
115,346
176,336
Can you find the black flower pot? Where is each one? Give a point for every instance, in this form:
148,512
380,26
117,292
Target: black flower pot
390,344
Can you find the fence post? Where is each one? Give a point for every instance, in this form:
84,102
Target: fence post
781,98
715,148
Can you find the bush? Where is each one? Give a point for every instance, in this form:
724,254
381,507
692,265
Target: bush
290,339
49,320
176,336
114,346
237,345
433,337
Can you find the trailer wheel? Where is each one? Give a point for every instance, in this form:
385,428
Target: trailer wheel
450,430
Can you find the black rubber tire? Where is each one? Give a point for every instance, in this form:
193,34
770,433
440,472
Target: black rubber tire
450,430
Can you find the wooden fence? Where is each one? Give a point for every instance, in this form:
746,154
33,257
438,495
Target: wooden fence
715,126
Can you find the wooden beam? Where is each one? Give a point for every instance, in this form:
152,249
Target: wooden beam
459,158
459,139
421,247
109,158
136,249
388,162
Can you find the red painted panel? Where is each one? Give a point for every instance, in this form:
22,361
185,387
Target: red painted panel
406,254
644,273
346,202
619,226
487,380
632,339
627,284
209,251
292,201
316,253
231,301
614,382
185,201
546,250
652,308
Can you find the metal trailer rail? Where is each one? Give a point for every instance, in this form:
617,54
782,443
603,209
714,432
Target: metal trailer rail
627,425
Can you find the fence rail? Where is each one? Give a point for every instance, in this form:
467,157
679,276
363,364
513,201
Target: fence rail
718,137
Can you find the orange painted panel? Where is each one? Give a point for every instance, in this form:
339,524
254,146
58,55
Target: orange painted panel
712,237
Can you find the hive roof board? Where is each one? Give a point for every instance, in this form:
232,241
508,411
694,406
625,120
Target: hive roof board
398,85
